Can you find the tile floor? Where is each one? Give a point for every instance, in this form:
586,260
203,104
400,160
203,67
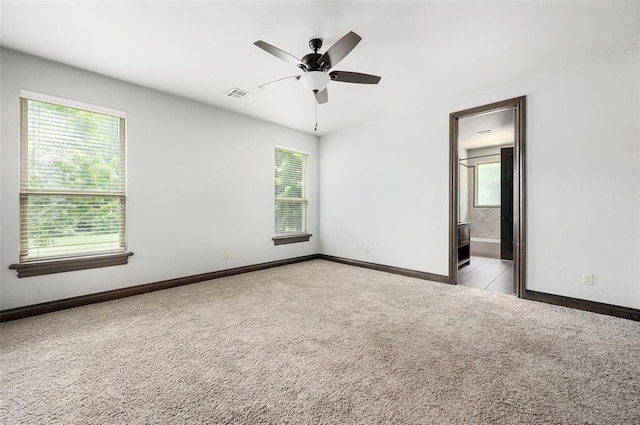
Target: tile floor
488,273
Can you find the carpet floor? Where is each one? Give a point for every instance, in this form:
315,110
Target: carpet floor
320,343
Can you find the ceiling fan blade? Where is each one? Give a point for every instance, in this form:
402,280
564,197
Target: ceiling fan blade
278,53
267,85
322,96
354,77
339,50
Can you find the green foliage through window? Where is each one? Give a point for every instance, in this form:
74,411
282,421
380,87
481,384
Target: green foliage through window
290,192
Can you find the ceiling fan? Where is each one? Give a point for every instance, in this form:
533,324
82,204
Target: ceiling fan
316,66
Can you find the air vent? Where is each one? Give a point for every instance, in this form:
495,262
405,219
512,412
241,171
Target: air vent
238,94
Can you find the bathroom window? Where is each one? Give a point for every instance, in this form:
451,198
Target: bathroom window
487,185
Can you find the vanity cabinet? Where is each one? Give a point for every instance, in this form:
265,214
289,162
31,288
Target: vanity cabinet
464,244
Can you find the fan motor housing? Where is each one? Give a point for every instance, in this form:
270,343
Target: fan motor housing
311,61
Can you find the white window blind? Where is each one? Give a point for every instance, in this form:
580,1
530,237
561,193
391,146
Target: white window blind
72,185
290,192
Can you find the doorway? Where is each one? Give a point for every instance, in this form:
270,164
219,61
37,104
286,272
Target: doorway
487,195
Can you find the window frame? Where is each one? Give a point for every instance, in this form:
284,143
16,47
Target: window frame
476,183
86,260
294,237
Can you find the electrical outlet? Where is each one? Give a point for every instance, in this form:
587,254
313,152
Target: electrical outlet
227,255
587,278
366,249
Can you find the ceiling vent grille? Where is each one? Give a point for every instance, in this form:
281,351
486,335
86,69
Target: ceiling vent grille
238,94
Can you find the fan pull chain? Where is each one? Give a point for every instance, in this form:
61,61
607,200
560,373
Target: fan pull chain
316,129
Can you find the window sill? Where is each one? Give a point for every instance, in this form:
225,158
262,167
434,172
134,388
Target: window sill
39,268
301,237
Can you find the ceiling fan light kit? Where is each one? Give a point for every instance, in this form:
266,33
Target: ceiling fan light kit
315,81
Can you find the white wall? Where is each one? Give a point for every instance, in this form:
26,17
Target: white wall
385,184
200,182
583,201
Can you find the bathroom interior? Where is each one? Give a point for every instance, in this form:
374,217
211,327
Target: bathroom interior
485,201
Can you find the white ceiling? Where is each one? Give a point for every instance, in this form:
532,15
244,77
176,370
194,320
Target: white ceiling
424,51
500,123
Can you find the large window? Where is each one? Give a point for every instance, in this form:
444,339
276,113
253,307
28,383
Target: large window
487,184
72,186
290,196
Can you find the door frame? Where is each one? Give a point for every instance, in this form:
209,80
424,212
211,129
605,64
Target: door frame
518,104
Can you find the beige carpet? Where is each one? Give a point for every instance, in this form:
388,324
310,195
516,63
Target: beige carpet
320,343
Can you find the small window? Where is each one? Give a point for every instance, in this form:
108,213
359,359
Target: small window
72,185
487,184
290,196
